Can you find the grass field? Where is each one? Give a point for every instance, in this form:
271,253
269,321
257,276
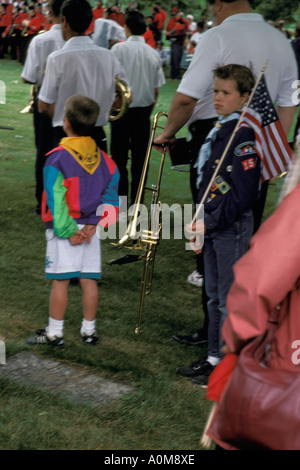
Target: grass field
165,411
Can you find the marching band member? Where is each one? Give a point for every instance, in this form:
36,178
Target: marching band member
143,68
5,22
80,67
33,73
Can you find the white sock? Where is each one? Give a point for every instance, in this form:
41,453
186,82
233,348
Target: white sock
88,327
213,360
55,327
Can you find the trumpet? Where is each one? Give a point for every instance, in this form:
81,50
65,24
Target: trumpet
147,240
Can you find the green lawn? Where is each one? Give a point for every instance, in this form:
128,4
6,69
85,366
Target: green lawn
165,411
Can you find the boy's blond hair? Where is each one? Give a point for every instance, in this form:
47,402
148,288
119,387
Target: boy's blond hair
82,114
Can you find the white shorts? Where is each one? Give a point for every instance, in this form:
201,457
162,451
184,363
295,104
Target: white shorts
66,261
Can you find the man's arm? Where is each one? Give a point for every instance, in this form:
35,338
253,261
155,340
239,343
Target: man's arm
46,108
286,116
181,110
27,81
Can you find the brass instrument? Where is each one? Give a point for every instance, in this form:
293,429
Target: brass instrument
24,32
146,242
12,33
124,95
29,108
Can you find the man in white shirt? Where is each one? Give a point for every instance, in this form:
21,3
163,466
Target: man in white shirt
80,67
240,37
33,73
143,68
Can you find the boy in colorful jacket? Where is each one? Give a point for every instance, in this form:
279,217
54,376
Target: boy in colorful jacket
80,182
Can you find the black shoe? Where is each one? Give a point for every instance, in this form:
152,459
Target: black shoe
198,338
89,340
41,337
199,367
201,380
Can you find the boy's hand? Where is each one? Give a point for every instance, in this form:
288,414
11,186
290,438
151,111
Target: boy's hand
78,238
196,232
89,231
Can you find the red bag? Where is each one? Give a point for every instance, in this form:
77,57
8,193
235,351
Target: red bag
260,407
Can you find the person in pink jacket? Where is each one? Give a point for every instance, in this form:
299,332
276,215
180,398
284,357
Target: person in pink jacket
264,277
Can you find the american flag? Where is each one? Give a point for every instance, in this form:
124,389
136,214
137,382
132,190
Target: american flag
270,139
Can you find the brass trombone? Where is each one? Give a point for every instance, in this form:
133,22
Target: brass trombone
145,241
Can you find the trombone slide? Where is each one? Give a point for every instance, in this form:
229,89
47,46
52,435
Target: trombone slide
147,240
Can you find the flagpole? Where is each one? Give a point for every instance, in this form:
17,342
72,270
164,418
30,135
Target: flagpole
228,144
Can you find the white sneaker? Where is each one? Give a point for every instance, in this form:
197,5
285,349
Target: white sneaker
195,279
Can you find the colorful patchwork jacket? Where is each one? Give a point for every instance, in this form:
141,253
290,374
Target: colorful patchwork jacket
81,187
237,185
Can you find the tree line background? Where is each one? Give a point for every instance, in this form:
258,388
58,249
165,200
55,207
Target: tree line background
274,10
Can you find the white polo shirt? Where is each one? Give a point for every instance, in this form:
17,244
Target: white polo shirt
39,48
244,39
81,67
142,66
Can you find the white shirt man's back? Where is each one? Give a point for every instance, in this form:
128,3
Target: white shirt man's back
142,66
244,39
81,67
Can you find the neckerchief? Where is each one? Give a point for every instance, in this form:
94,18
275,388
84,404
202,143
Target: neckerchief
84,150
205,149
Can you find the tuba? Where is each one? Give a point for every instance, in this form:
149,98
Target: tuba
146,241
122,101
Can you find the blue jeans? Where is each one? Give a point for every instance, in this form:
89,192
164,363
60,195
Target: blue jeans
222,249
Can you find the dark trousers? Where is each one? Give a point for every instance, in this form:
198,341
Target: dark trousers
131,132
3,43
14,42
44,143
175,60
98,135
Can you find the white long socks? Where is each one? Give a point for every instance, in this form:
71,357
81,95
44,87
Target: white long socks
88,327
55,327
